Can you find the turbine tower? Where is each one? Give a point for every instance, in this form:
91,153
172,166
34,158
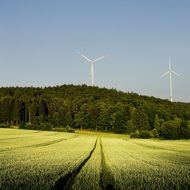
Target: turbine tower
170,72
92,62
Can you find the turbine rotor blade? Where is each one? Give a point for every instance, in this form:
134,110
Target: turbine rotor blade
85,57
166,73
98,59
170,66
176,74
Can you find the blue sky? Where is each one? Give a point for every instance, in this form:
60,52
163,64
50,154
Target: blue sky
39,41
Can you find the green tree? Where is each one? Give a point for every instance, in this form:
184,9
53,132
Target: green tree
170,130
130,126
92,118
104,118
140,120
79,120
184,129
156,122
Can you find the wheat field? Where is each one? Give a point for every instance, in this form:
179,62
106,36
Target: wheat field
54,160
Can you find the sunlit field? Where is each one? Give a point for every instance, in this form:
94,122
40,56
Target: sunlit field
55,160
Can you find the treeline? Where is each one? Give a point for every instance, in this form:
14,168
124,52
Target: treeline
93,108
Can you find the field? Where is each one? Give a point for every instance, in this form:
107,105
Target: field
52,160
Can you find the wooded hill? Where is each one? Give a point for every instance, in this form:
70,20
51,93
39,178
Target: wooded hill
87,108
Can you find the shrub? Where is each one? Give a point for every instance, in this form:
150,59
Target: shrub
145,134
60,129
155,133
30,126
64,129
69,129
45,126
134,135
184,130
2,125
175,129
22,126
170,130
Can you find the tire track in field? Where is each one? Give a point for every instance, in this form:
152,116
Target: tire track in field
21,133
145,161
52,134
107,181
19,137
24,135
40,144
157,147
6,139
50,142
156,163
65,182
150,164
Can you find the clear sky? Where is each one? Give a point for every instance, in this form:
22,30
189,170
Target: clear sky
39,41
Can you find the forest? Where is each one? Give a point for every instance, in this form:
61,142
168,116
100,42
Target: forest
93,108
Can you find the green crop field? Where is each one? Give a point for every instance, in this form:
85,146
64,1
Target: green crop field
52,160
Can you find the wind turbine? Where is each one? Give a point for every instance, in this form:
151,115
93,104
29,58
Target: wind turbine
170,72
92,62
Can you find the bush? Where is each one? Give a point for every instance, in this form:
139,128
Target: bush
2,125
59,129
175,129
155,133
142,134
30,126
170,130
45,126
64,129
69,129
184,130
41,126
145,134
134,135
22,126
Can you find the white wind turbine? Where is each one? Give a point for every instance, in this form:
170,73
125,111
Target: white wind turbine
92,62
170,72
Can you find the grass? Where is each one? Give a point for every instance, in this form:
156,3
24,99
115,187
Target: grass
91,160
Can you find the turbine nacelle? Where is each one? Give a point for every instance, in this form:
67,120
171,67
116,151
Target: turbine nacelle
91,60
170,72
170,69
92,65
